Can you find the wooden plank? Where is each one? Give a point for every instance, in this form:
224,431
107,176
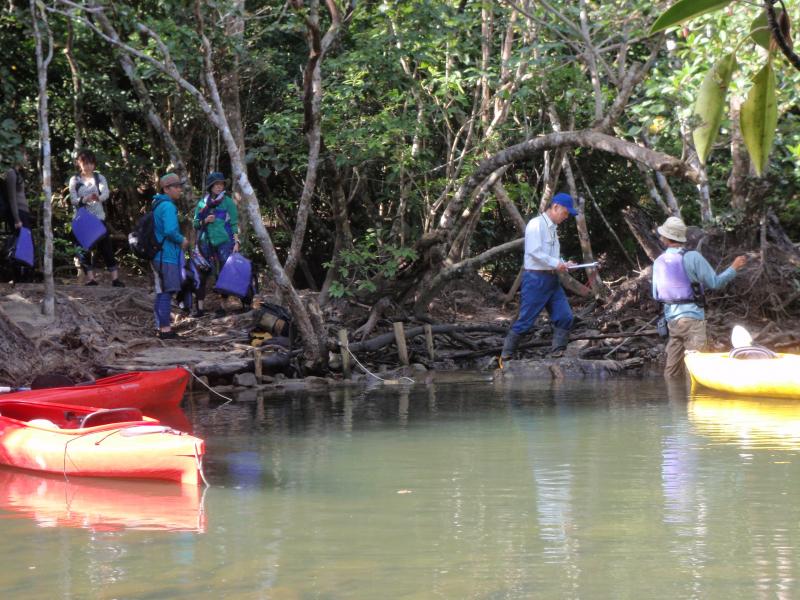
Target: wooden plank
429,340
400,339
345,351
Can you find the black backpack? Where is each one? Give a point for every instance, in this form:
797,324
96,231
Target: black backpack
142,240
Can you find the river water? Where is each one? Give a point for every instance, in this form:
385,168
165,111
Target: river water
459,489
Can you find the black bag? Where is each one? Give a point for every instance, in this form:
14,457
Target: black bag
142,240
275,320
661,327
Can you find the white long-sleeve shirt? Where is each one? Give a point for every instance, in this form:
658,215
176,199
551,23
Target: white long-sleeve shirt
542,249
88,187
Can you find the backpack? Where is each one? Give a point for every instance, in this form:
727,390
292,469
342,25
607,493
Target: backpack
274,320
142,240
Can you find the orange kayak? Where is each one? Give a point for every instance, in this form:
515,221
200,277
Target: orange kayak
81,441
138,389
101,504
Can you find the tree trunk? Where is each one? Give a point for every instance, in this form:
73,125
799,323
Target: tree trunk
77,89
343,236
151,114
312,100
642,230
583,232
38,16
229,90
741,166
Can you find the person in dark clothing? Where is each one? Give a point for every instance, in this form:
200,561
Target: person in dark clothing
19,214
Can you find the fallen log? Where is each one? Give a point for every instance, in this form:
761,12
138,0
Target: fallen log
379,341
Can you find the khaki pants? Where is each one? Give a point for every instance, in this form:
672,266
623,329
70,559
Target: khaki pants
684,334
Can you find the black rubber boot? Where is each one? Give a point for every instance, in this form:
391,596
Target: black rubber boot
509,345
560,341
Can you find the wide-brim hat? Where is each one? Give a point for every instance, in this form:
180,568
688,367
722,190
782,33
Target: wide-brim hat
214,178
673,229
565,200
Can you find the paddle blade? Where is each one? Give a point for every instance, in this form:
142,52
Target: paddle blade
740,337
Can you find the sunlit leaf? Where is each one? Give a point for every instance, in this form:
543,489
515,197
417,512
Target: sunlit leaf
711,104
684,10
759,117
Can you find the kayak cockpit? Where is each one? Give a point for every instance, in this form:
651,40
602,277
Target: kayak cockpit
53,416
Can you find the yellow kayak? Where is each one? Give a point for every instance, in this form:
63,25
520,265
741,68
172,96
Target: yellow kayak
777,377
751,423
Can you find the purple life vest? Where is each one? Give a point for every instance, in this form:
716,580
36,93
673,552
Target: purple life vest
672,284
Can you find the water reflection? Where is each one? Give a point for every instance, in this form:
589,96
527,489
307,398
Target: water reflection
748,423
101,504
535,489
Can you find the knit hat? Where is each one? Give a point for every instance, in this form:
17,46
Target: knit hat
565,200
214,178
168,180
673,229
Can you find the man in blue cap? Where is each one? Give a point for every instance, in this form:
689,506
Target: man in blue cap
540,285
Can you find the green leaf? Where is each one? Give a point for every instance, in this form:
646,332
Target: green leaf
759,29
759,118
684,10
710,105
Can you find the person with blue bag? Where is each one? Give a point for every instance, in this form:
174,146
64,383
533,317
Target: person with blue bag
88,192
18,217
216,219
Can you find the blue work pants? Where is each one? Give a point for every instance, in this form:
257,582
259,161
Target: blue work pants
542,289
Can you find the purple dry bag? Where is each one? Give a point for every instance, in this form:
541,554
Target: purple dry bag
23,248
87,228
234,278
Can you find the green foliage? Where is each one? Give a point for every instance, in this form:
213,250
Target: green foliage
368,260
685,10
759,117
759,29
759,113
710,105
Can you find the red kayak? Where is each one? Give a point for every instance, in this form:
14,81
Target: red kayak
138,389
86,442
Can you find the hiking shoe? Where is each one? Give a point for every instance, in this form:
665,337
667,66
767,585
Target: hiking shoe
167,335
92,282
219,313
117,283
198,313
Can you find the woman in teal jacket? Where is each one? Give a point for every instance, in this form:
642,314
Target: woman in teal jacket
217,220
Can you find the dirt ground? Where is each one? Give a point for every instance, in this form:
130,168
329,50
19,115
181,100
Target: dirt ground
102,329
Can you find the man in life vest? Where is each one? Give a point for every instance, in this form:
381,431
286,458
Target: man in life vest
680,279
